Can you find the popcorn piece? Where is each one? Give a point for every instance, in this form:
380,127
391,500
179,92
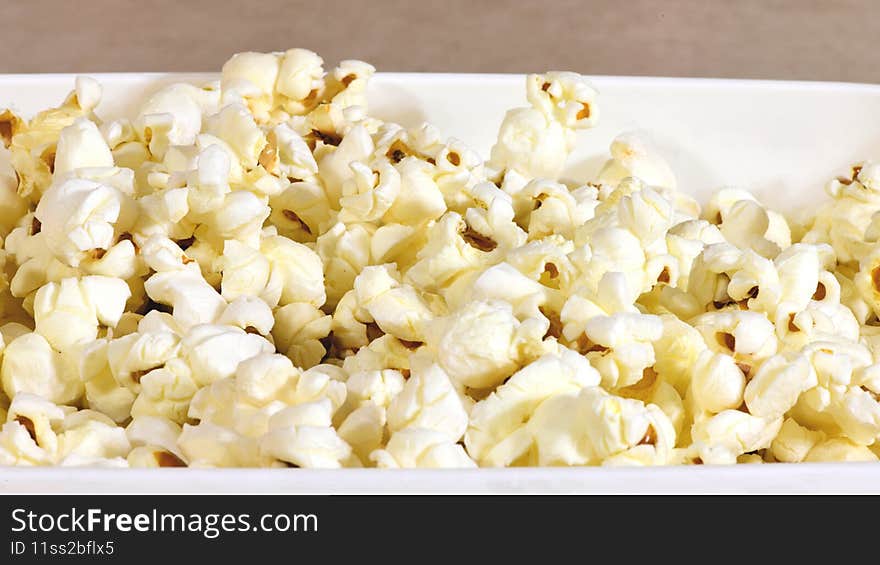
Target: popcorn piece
299,331
70,311
80,217
839,449
418,448
531,144
429,401
209,445
565,97
30,365
90,438
717,384
214,351
173,116
192,299
302,440
397,309
634,155
720,439
777,384
794,442
496,434
81,145
478,346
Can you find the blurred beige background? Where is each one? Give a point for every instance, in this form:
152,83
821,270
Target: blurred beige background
806,39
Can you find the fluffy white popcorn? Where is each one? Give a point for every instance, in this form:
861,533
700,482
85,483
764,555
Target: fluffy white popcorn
633,155
748,336
259,272
303,436
209,445
717,383
794,442
368,194
71,310
419,198
79,217
334,163
496,434
298,333
89,437
564,96
41,419
248,313
301,211
296,272
397,309
721,438
253,75
478,346
531,144
192,299
429,401
214,351
159,437
839,449
592,426
173,116
629,338
300,78
30,365
775,387
412,448
81,145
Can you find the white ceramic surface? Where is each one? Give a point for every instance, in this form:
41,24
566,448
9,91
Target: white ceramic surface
781,140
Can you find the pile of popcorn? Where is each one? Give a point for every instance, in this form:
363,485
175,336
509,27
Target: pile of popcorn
257,273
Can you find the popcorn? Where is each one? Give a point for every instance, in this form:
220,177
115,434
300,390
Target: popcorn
496,434
634,155
214,351
300,79
305,438
296,272
368,195
192,299
564,96
81,145
299,331
79,217
174,116
257,272
794,442
209,445
69,311
90,438
839,449
531,144
419,198
30,365
397,309
776,386
593,426
32,144
720,439
479,346
429,401
717,383
418,448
